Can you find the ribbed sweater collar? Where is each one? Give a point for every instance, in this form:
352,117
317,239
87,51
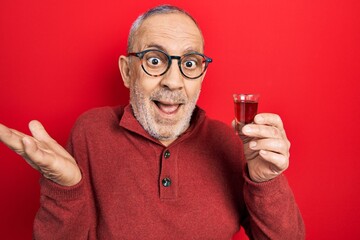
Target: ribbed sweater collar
129,122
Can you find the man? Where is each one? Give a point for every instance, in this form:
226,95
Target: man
159,168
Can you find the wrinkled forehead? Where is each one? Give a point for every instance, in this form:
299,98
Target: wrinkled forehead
175,32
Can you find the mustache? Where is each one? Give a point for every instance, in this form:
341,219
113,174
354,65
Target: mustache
164,94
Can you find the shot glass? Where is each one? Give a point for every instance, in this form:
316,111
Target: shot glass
245,107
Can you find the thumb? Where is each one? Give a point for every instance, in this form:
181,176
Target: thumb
38,131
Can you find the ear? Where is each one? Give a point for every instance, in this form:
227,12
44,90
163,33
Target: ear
124,67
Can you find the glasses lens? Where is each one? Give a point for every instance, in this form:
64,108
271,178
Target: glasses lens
155,62
193,65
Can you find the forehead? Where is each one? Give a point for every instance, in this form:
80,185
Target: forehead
176,33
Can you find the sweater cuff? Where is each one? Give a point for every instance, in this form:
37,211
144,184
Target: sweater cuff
56,191
274,186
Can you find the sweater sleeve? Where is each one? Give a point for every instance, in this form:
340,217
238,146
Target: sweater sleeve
67,212
63,212
273,212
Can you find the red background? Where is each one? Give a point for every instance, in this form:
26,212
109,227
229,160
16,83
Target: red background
59,58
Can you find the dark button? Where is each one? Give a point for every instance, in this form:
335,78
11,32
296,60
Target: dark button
166,182
167,154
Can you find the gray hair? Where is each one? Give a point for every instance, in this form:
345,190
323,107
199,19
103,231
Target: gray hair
161,9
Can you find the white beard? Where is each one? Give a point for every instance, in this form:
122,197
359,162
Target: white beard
157,127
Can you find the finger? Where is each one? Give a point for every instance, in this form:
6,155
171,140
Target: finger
274,145
262,131
238,129
270,119
17,133
38,131
34,155
25,141
47,142
11,138
233,123
278,162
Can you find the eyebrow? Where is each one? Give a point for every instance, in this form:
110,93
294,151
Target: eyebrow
157,46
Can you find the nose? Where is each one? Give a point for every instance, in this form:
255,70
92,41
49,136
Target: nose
173,79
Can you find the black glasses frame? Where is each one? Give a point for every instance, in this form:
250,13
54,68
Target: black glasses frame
141,54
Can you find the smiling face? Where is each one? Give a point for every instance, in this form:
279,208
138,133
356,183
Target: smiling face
163,105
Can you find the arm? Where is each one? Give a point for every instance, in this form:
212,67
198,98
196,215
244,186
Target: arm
64,211
42,153
273,213
68,212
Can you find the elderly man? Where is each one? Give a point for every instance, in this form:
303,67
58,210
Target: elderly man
159,168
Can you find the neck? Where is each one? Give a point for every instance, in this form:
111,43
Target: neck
166,143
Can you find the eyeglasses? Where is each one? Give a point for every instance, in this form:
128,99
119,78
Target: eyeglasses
156,63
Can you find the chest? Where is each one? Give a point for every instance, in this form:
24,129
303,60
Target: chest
156,192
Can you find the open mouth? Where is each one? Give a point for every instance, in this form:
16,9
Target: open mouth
167,108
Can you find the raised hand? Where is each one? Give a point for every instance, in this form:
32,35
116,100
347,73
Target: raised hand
42,153
266,147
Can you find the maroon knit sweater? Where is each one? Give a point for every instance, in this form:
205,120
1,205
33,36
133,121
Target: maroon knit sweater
135,188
